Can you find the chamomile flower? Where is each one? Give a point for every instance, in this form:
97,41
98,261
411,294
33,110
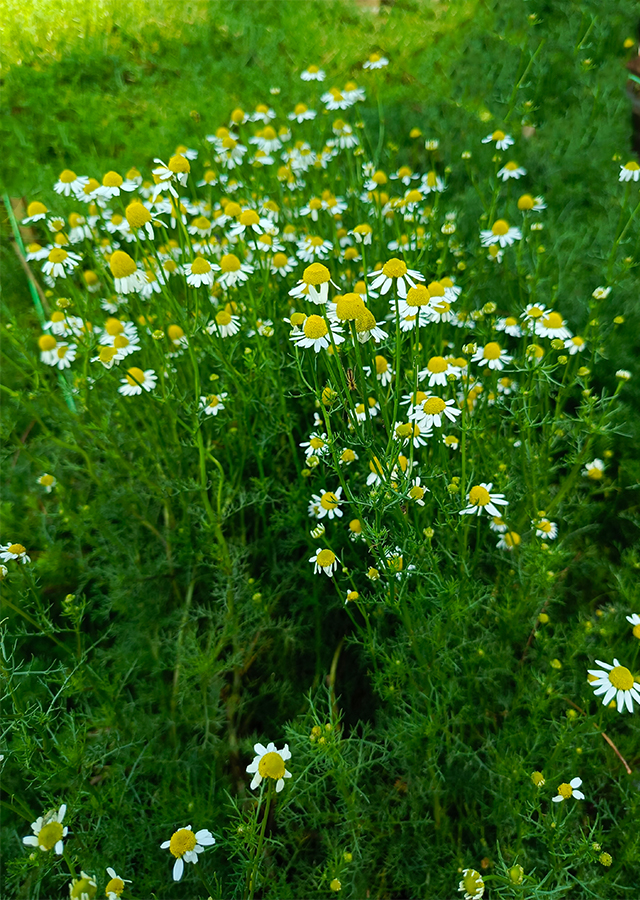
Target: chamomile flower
634,620
502,141
594,470
200,272
83,888
48,482
533,312
510,326
436,372
472,884
137,380
335,99
552,325
511,170
212,404
126,275
367,327
480,498
498,524
262,113
316,334
312,247
630,171
36,212
69,183
451,441
500,233
509,541
317,445
113,185
432,411
59,262
326,503
617,682
185,846
370,411
225,324
417,491
394,270
281,264
376,61
63,355
233,271
115,885
545,529
491,355
569,790
575,345
431,183
269,762
48,831
14,551
384,371
325,561
313,73
301,113
526,203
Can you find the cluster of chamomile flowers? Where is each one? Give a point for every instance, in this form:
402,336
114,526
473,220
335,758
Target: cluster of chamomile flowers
184,845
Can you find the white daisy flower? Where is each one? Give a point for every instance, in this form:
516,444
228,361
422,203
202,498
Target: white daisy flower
269,762
281,264
501,140
569,790
36,211
594,470
200,272
316,334
634,620
491,355
115,885
432,184
212,404
185,846
472,884
376,61
335,99
326,503
137,380
325,561
59,262
545,529
575,345
432,411
384,372
14,551
312,247
48,831
630,171
262,113
314,284
500,233
301,113
69,183
509,541
48,482
509,325
437,370
313,73
534,311
480,498
511,170
617,682
36,251
62,356
113,185
316,445
498,524
126,275
417,491
552,325
233,271
225,324
394,269
451,441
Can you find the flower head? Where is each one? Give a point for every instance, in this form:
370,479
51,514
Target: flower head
269,762
325,561
115,885
615,681
185,846
48,831
14,551
472,884
569,790
480,498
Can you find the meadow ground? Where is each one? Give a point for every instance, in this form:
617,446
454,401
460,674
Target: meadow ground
319,425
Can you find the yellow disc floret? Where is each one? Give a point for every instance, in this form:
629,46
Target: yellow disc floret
121,264
479,496
181,842
621,678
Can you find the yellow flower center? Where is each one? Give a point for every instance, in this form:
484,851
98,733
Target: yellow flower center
595,473
233,209
621,678
67,176
315,327
433,406
50,834
223,317
249,217
18,548
106,354
46,342
565,790
418,295
511,166
498,136
115,886
479,496
636,631
511,539
135,376
58,255
352,595
325,558
36,208
280,260
47,480
329,501
212,400
553,320
201,223
472,881
230,263
179,164
120,341
355,526
632,166
175,332
431,179
262,108
182,841
121,264
413,196
349,307
416,492
381,365
526,202
200,265
313,70
437,364
492,350
500,227
365,321
394,268
112,179
316,443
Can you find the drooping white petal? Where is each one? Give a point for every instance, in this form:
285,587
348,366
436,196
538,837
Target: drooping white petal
178,869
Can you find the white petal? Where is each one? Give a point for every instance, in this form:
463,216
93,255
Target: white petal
253,766
285,753
59,848
271,747
628,701
61,812
609,695
165,845
578,795
604,665
279,785
620,701
257,778
111,872
190,856
260,749
575,782
30,841
178,869
558,799
205,837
